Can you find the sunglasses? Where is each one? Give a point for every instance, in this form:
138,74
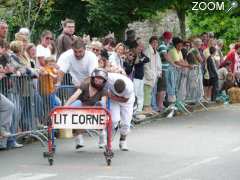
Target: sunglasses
95,49
48,38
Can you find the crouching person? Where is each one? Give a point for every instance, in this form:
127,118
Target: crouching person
6,112
90,93
121,94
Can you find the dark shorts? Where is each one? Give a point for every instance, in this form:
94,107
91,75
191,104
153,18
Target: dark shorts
161,83
206,82
214,81
210,82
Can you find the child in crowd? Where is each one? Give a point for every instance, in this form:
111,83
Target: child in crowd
48,80
222,74
212,82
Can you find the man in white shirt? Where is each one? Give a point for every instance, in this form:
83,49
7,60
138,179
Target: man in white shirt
78,61
121,94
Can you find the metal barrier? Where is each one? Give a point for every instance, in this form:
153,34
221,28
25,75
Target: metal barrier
189,89
33,100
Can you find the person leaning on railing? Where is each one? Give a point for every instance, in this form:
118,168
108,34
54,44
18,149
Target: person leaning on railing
6,111
6,106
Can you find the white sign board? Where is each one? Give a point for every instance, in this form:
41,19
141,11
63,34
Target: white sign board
79,118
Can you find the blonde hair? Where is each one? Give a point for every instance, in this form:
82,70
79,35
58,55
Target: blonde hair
21,37
16,46
197,41
119,45
50,59
96,44
211,42
30,46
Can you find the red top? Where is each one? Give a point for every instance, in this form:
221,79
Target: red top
230,57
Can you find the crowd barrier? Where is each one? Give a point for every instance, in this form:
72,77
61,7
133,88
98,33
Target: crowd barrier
33,99
189,88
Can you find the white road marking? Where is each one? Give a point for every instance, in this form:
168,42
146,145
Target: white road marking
236,149
205,161
114,177
27,176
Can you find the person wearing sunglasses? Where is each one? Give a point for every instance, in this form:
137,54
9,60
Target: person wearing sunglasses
43,50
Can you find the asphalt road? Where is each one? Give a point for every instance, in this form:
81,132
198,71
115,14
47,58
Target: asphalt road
201,146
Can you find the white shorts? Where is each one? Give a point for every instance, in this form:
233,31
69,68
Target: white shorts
122,112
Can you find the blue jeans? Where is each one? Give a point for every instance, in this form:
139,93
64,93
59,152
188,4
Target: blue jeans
154,98
15,120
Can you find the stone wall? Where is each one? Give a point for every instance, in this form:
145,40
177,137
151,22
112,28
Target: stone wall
167,21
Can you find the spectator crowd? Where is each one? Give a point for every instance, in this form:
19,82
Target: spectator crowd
162,71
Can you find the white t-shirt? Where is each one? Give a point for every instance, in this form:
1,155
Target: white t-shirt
115,60
79,69
42,51
129,89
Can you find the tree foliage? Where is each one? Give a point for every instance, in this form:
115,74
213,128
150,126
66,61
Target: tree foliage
114,15
98,17
33,14
224,25
74,9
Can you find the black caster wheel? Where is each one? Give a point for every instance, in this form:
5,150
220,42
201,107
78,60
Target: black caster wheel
109,161
45,154
50,160
54,149
108,156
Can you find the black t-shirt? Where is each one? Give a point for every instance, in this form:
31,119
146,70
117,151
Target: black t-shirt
184,53
212,70
85,97
139,66
128,67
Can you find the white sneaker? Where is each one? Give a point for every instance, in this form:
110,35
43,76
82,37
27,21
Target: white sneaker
79,141
123,145
17,145
4,133
102,139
